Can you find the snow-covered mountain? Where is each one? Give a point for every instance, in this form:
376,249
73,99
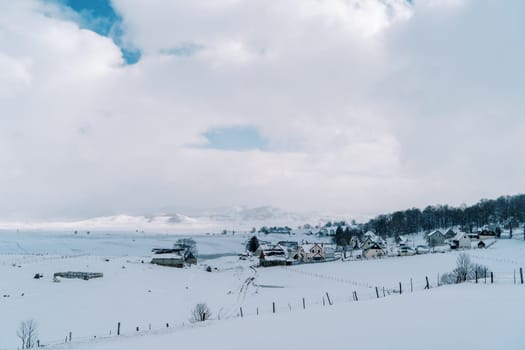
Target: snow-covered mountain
216,220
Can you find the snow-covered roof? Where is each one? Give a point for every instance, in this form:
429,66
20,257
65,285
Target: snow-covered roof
168,256
374,245
435,232
275,258
370,234
460,235
308,246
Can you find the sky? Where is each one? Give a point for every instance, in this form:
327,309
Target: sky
356,107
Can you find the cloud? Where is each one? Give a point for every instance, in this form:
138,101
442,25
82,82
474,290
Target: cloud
364,106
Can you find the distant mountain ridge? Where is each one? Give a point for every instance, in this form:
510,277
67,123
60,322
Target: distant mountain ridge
212,221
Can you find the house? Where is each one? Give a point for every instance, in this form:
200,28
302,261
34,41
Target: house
275,256
290,246
481,244
373,251
401,240
314,251
262,246
450,233
368,240
293,249
177,256
276,250
370,234
299,255
461,240
169,259
435,238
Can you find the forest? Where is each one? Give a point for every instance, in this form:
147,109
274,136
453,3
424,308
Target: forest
505,211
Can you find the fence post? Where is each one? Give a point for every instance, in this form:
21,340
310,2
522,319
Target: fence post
400,289
137,328
324,302
491,277
241,311
70,337
377,293
328,298
304,304
411,286
514,276
273,306
257,311
356,298
427,286
476,276
384,294
118,328
521,274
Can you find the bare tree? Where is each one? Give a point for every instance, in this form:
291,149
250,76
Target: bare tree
463,267
465,270
200,313
27,332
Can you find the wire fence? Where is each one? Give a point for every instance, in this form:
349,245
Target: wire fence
360,291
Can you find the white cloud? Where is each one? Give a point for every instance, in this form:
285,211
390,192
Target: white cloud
367,106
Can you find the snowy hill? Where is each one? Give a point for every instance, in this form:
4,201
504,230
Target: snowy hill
235,218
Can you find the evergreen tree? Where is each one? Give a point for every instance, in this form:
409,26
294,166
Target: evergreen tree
253,244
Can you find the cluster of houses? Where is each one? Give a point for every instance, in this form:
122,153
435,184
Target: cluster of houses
461,240
178,256
370,246
291,252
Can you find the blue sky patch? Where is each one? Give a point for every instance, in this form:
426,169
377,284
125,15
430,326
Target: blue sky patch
237,138
100,17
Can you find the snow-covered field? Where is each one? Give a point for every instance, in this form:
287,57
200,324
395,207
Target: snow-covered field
139,294
458,317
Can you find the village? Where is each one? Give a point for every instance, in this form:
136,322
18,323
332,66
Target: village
321,247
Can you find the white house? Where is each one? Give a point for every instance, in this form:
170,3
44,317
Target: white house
462,240
373,251
314,251
435,238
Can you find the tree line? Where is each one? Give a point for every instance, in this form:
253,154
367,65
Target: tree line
506,211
